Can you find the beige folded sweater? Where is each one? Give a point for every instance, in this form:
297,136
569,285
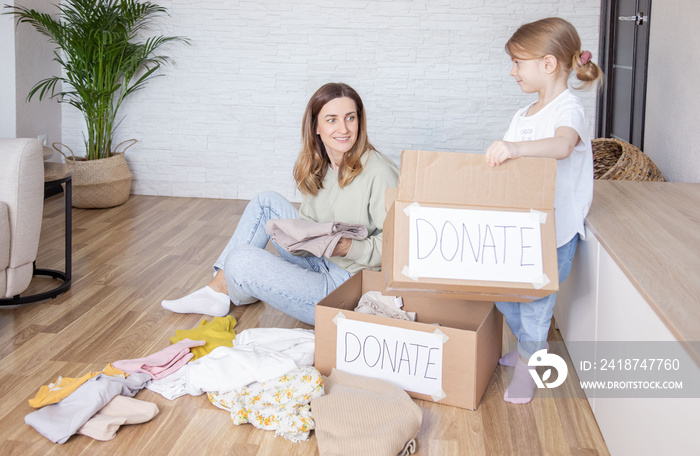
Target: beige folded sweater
361,416
319,239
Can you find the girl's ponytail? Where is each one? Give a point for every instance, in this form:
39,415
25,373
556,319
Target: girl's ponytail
555,36
584,68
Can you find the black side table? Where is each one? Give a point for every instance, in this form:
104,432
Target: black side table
55,174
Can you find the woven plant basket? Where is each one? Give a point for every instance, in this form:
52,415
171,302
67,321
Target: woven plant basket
101,183
614,159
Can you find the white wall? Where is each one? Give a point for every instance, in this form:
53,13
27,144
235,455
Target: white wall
225,120
8,110
33,62
672,136
26,59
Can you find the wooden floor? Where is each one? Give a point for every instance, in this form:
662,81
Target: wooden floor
125,261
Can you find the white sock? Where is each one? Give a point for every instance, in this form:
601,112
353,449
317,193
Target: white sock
203,301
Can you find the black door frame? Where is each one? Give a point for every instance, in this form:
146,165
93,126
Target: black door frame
608,22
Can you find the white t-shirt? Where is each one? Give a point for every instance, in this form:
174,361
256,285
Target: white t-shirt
574,187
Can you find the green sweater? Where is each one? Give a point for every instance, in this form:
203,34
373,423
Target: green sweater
361,202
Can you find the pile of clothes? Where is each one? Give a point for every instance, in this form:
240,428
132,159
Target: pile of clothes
262,376
234,371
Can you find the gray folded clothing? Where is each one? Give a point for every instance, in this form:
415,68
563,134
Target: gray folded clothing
57,422
319,239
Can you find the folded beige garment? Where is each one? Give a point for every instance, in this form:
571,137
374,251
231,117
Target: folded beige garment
375,303
319,239
119,411
361,416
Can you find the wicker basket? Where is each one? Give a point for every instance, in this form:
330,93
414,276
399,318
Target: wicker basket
102,183
614,159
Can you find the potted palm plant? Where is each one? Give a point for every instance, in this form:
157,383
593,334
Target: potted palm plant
104,57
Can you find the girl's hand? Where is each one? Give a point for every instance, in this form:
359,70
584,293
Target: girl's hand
559,147
342,247
500,151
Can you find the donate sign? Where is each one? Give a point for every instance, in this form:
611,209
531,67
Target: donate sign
409,359
474,245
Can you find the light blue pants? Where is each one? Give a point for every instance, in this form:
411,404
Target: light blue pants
287,282
530,321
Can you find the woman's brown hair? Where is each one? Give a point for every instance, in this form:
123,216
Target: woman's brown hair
312,163
557,37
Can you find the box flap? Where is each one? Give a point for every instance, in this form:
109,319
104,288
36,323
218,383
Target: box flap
389,197
471,181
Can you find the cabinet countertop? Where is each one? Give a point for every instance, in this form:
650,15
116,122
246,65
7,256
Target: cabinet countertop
652,231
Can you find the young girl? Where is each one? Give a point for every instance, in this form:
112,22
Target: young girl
544,53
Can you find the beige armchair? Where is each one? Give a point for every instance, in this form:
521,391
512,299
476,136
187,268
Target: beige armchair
21,211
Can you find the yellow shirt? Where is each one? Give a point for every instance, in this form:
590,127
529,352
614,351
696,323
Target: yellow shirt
216,333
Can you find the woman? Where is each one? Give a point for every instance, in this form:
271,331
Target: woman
343,179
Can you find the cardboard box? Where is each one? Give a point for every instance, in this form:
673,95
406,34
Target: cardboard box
465,230
451,363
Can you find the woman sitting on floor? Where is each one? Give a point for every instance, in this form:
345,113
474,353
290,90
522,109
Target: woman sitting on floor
343,179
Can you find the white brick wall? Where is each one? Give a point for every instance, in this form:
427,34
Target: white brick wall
225,120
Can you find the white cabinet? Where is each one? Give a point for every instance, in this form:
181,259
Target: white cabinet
575,311
598,302
623,314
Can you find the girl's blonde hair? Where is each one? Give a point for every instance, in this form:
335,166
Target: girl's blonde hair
557,37
312,162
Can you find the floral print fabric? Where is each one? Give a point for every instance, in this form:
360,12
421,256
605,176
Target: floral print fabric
280,404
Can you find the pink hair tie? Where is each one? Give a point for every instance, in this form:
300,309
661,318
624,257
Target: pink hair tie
585,57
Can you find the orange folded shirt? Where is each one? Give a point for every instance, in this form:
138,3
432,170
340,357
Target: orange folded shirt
64,386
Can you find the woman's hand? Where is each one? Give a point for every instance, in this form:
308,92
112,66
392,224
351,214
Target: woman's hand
500,151
342,247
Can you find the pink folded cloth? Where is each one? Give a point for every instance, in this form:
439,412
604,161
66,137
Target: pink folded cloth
319,239
162,363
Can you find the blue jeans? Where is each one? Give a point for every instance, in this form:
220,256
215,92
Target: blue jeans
530,321
290,283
